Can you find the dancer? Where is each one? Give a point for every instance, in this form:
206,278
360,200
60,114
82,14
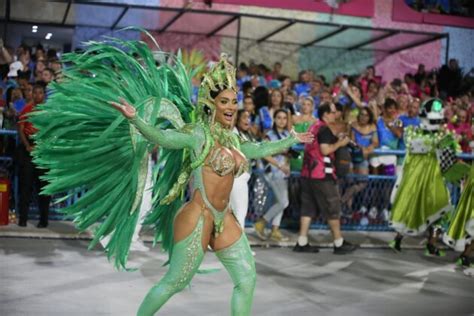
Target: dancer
461,229
89,147
420,197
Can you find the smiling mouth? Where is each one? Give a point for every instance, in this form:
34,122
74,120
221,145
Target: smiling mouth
229,116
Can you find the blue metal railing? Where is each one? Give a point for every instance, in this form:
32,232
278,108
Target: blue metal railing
368,210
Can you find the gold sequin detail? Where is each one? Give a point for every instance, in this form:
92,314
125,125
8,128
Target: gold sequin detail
192,255
222,162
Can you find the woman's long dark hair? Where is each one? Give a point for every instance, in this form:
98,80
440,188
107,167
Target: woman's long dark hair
260,98
214,95
370,113
282,102
248,134
237,120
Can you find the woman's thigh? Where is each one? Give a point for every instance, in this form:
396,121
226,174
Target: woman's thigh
187,219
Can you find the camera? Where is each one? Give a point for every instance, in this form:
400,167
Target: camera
396,123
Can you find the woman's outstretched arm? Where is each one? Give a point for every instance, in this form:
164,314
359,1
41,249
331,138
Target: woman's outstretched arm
254,150
172,139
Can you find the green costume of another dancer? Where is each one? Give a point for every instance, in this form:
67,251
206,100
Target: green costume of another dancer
88,147
420,194
461,228
296,163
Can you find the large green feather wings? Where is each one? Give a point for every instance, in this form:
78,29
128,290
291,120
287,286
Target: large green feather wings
87,146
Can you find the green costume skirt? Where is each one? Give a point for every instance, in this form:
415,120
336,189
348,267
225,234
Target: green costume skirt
461,228
420,195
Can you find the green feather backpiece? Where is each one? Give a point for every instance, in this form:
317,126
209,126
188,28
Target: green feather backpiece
89,148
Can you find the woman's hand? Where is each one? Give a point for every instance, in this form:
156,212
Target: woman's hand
303,137
366,152
125,108
285,168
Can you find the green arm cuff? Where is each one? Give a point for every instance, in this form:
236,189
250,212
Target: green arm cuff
253,150
171,139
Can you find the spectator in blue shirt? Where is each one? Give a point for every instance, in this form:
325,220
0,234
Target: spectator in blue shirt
412,117
303,84
389,132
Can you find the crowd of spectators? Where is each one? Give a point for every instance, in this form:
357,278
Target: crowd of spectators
371,111
21,69
26,74
368,105
451,7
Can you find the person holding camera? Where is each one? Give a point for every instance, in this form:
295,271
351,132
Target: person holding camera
389,131
364,135
320,192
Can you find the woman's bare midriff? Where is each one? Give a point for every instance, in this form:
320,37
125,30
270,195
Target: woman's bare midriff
218,193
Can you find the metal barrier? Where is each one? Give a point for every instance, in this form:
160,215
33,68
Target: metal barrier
9,141
368,212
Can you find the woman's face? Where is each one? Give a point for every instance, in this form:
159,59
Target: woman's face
248,105
286,83
391,112
244,121
363,117
356,91
462,116
16,94
414,108
316,86
25,59
281,120
370,72
276,99
28,92
307,107
403,102
38,95
226,107
40,66
290,98
373,87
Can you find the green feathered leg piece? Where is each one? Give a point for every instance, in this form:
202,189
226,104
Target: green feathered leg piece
240,264
186,257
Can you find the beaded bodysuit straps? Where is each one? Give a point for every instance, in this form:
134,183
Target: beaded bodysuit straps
218,216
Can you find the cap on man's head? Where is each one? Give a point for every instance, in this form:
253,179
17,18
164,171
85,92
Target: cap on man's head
14,68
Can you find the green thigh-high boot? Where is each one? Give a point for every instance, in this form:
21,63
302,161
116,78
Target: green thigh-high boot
186,258
238,261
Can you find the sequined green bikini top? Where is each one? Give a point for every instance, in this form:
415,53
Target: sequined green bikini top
222,161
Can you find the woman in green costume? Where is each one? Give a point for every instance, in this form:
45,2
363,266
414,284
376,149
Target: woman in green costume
88,147
461,229
301,124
